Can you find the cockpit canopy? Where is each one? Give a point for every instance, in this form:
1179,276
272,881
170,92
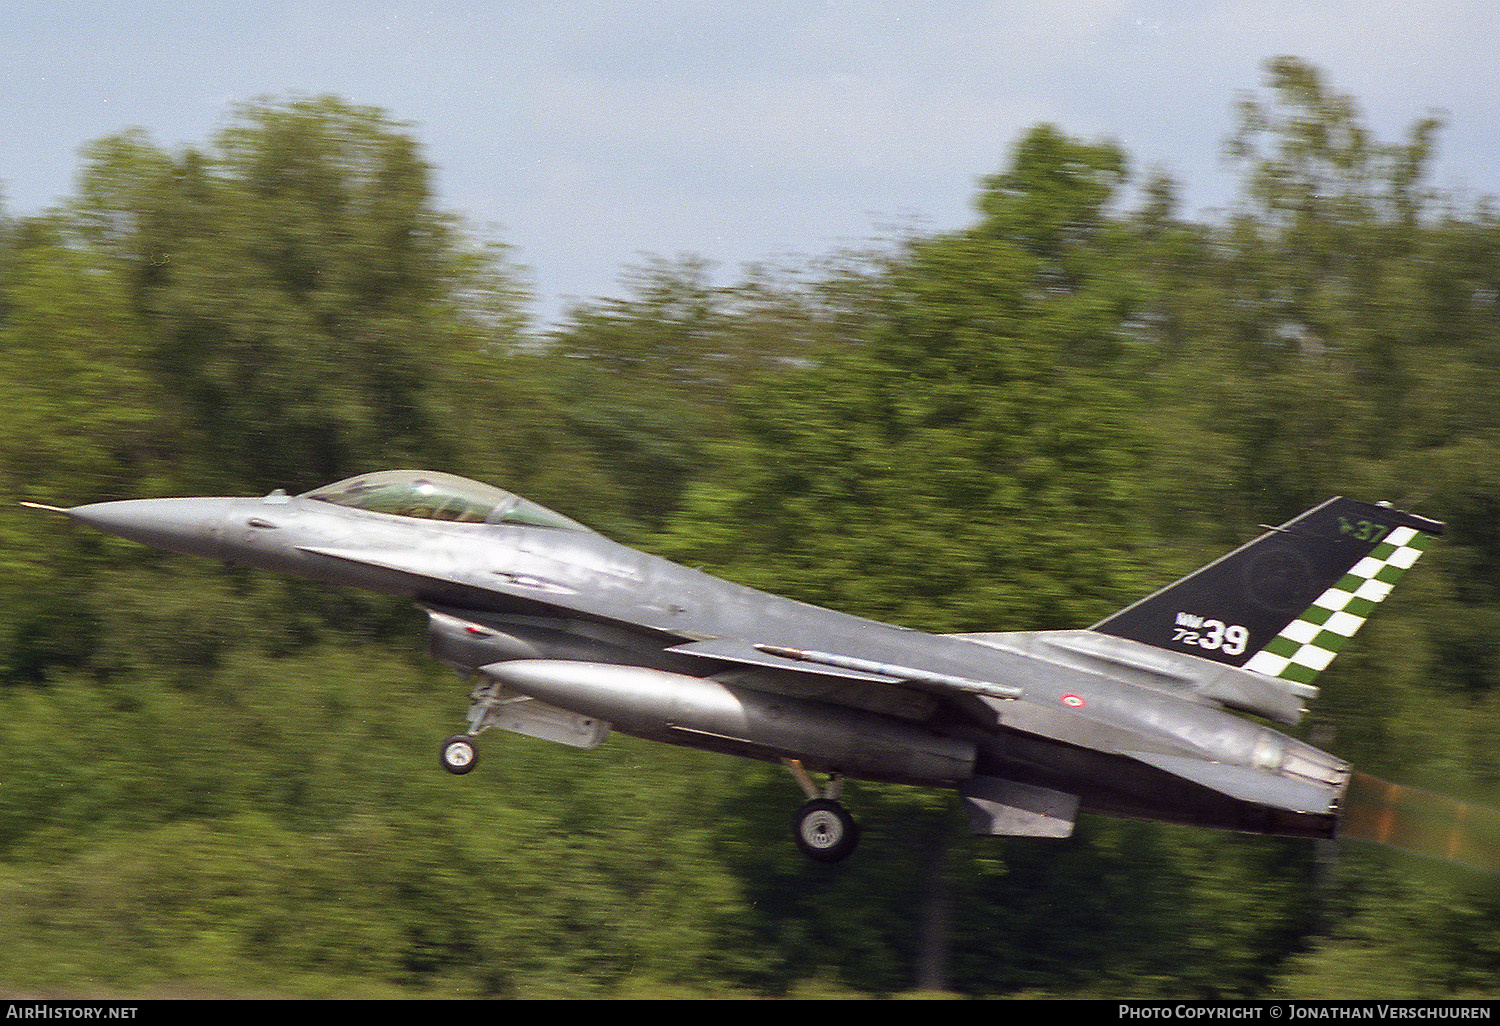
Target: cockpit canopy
430,495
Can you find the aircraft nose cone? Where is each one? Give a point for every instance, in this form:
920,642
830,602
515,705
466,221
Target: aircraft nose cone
182,525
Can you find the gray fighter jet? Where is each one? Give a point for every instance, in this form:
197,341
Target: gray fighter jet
567,635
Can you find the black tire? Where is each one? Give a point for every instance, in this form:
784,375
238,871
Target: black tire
458,754
825,831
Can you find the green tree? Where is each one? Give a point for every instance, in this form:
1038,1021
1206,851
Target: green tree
301,294
969,464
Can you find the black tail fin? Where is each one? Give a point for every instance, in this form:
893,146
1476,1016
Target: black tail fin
1286,602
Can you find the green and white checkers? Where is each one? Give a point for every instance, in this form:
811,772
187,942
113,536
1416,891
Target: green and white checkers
1306,646
1285,603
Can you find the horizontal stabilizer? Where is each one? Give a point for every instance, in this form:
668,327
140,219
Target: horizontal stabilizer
1258,787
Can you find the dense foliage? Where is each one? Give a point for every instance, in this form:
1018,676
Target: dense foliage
213,781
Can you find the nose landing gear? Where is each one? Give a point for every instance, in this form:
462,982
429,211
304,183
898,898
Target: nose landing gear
458,754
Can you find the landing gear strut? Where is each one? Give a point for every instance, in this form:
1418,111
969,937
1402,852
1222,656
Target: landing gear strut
823,828
459,754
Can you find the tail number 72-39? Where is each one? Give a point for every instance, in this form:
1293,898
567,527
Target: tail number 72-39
1210,634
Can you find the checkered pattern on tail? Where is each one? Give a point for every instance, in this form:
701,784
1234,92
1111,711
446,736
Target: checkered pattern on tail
1308,644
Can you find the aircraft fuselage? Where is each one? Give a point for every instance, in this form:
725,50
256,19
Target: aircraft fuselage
579,622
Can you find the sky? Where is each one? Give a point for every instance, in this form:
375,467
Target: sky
591,137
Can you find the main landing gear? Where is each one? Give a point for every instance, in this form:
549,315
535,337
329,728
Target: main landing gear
823,828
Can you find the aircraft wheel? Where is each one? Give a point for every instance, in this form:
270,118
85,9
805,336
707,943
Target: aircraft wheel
825,831
459,754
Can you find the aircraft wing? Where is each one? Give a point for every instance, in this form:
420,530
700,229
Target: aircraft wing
881,687
733,651
1306,796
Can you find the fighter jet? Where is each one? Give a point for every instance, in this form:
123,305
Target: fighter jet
566,635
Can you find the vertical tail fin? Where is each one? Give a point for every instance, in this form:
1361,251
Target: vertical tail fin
1285,603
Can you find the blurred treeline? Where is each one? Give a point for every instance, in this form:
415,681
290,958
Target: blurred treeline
213,781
